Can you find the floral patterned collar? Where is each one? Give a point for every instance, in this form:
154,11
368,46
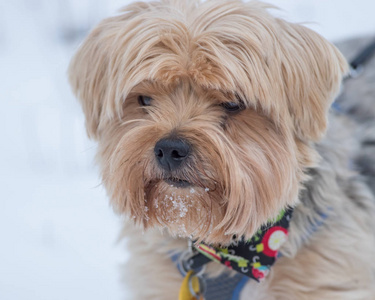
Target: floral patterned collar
253,257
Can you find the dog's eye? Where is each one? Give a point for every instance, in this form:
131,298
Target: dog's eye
233,106
144,100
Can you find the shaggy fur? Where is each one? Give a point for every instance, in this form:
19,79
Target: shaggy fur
190,58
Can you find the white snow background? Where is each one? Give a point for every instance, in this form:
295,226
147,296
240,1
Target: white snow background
57,232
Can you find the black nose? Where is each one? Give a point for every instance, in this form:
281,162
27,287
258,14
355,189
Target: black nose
170,153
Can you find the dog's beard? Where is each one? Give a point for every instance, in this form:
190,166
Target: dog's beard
190,211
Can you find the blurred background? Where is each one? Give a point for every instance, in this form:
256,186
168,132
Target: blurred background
58,235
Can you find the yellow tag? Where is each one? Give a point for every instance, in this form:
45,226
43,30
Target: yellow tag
185,293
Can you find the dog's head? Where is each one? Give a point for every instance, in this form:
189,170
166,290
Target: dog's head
204,112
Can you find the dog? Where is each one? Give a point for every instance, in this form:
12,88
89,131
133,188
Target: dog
211,120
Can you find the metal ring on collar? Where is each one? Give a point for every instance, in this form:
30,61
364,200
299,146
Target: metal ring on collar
185,264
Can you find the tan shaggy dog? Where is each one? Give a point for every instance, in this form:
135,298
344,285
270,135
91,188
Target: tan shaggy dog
210,118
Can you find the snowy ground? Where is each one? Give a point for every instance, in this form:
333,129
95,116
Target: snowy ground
58,234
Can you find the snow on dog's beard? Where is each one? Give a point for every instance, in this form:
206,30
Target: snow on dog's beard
195,60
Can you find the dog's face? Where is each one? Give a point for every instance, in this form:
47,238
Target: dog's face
204,112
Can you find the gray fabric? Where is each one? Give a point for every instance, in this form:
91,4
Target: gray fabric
222,287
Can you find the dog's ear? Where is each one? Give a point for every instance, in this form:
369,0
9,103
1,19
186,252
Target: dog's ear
312,70
94,65
88,76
